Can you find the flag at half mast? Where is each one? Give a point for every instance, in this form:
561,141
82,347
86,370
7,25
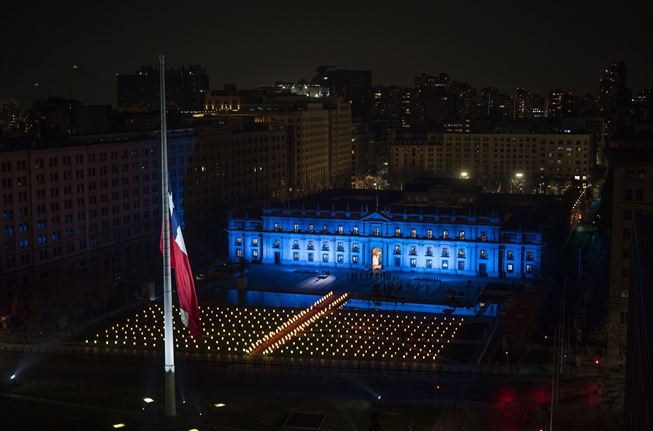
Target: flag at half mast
190,313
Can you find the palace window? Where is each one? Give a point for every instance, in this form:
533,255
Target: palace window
413,250
354,247
413,263
296,227
276,227
445,234
397,249
325,228
255,254
341,247
510,256
529,269
355,230
239,241
445,252
340,230
429,251
341,259
354,259
397,232
429,263
276,243
483,236
413,233
325,258
483,254
310,245
295,256
310,228
376,231
510,267
445,264
429,234
529,255
461,265
461,252
254,241
295,244
310,257
239,252
461,235
325,245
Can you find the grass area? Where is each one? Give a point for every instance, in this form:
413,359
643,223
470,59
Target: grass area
62,408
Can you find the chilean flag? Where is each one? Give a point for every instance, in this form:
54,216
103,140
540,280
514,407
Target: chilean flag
190,312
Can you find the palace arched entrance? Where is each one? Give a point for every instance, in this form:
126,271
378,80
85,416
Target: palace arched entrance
376,259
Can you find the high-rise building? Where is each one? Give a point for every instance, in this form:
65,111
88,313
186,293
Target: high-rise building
630,162
185,88
354,86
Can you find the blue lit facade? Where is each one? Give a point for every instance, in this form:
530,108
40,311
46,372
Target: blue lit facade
382,240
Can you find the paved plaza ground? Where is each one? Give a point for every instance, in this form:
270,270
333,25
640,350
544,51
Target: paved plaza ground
602,388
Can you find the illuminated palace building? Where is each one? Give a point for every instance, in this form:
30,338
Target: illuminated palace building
393,238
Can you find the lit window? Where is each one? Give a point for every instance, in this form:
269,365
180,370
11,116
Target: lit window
510,267
255,254
354,247
340,229
483,236
397,249
413,263
529,269
340,258
276,226
397,232
483,254
413,250
276,243
325,258
295,256
310,245
255,241
510,256
429,263
445,251
429,233
529,255
445,264
239,252
376,231
355,230
445,234
295,244
296,228
354,259
341,247
461,252
325,245
461,235
325,228
413,233
310,228
239,241
429,251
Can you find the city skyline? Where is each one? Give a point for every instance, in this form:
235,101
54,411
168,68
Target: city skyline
257,46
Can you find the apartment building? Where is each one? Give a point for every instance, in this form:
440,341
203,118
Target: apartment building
489,156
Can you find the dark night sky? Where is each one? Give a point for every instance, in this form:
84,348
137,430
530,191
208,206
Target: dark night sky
537,45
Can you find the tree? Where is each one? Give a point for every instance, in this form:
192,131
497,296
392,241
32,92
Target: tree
611,332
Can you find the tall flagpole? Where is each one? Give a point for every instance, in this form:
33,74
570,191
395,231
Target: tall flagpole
171,409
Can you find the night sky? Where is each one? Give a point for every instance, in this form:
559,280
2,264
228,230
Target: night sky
537,45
